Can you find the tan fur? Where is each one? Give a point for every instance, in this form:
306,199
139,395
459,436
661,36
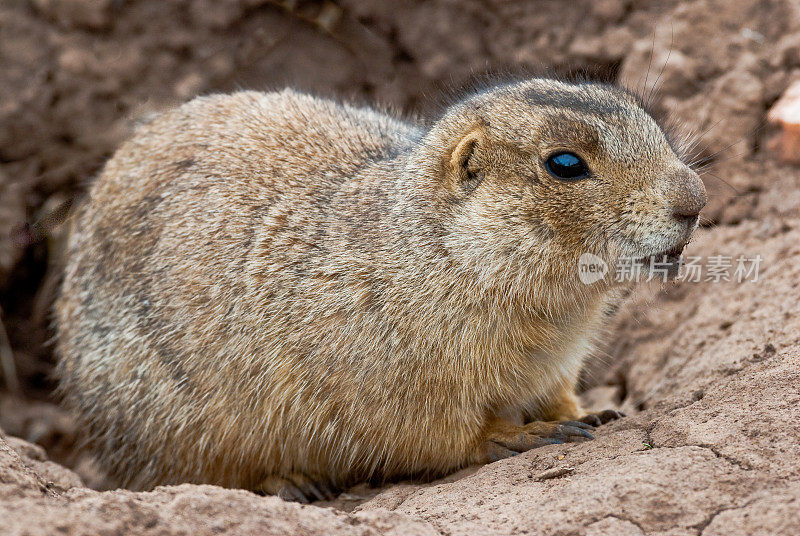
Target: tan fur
267,285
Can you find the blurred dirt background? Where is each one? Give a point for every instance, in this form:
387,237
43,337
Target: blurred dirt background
709,373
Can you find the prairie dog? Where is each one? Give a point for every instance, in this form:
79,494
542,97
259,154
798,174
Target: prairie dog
282,293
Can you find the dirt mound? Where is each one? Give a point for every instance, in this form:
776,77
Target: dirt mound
709,372
31,489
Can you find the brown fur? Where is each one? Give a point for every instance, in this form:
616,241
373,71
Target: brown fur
272,288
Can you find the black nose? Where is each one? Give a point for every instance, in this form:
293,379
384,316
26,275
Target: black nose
687,197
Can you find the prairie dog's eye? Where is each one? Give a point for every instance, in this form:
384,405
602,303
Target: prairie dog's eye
566,166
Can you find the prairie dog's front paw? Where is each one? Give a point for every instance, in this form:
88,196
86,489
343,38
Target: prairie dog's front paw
509,440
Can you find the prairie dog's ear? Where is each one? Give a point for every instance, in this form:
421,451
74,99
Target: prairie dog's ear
465,168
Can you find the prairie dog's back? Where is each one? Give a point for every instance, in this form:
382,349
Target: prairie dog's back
282,136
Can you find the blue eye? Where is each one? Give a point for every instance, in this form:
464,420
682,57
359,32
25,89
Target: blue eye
566,167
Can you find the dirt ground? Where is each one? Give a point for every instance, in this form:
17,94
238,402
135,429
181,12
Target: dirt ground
708,372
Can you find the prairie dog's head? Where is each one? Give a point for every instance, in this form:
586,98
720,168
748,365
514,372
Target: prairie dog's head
539,172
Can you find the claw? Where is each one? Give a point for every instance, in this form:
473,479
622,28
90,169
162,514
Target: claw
496,452
580,424
310,490
550,441
326,491
574,431
509,440
565,432
289,492
296,487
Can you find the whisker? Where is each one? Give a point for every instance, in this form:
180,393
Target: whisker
649,64
738,193
654,89
706,159
708,165
699,138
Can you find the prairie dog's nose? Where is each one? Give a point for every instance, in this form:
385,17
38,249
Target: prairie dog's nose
687,196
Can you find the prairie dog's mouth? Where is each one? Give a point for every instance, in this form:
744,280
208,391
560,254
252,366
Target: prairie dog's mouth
666,263
672,255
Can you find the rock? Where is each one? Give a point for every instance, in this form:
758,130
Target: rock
53,475
614,476
189,86
786,115
17,480
773,512
32,505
